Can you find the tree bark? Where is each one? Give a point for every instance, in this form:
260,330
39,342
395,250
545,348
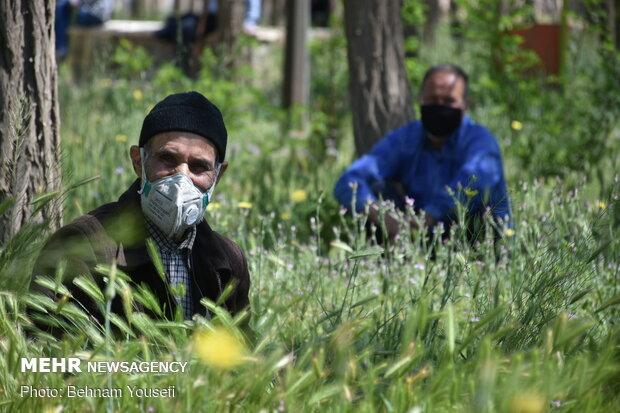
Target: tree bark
547,11
436,12
29,120
273,12
612,22
296,85
617,22
137,8
230,15
378,85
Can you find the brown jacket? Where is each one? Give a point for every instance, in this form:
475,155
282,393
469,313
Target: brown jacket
118,230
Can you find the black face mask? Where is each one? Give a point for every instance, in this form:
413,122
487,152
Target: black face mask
441,120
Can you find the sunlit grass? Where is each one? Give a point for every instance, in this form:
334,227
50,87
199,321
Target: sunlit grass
524,324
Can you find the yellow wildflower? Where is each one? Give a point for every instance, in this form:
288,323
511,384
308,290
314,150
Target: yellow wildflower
509,232
527,403
137,95
285,216
298,195
602,205
121,138
219,348
245,205
213,206
516,125
470,192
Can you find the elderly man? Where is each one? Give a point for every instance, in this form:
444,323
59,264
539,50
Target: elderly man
442,158
179,160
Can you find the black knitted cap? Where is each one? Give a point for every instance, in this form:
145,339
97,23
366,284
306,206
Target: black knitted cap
187,112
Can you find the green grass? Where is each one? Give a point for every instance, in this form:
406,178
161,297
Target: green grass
365,331
529,324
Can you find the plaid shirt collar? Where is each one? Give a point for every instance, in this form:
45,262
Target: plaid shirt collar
163,241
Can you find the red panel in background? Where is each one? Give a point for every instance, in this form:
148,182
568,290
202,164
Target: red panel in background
544,40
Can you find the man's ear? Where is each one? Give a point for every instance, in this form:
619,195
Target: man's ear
134,154
222,171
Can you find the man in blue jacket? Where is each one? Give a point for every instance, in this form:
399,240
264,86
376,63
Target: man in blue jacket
439,160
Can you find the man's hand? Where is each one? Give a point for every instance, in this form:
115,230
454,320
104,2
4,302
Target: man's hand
429,221
391,223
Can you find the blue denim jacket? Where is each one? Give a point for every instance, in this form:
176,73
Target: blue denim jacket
467,169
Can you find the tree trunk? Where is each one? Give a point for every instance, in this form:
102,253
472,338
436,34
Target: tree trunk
266,11
436,12
230,15
29,123
378,85
137,9
547,11
612,22
617,22
296,86
273,12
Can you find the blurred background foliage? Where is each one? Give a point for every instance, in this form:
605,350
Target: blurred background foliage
527,324
548,126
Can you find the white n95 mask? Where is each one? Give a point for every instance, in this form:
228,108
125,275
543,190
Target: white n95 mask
173,203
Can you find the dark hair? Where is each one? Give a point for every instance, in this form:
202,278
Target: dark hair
450,68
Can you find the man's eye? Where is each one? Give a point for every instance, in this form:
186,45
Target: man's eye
202,167
167,160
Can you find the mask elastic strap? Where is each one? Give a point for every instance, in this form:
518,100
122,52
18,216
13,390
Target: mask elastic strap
143,177
218,167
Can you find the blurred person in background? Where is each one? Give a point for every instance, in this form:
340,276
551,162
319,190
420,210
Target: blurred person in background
190,21
89,13
432,163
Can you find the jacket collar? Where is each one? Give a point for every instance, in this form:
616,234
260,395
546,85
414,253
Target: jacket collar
208,246
130,231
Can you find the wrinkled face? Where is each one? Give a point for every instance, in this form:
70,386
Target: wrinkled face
444,88
172,152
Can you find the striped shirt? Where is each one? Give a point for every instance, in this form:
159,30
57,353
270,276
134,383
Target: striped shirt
176,257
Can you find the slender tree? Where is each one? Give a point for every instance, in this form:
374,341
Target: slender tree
230,16
273,12
613,21
137,8
547,11
378,86
296,83
223,41
29,122
436,12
